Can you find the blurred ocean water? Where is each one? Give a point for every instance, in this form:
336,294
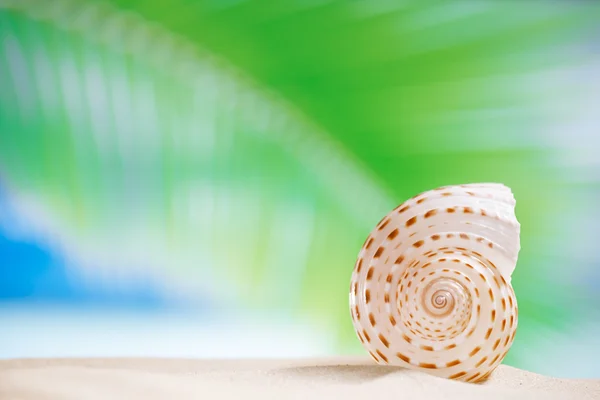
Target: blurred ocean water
203,174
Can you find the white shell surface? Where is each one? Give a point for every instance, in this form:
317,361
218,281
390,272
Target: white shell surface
431,287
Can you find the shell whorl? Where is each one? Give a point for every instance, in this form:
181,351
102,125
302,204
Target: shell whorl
431,288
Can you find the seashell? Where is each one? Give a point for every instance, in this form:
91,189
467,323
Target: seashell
431,289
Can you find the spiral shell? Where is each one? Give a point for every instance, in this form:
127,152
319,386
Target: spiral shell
431,287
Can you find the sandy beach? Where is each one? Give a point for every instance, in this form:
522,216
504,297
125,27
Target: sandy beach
335,378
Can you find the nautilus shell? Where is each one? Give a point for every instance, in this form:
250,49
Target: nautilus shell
431,289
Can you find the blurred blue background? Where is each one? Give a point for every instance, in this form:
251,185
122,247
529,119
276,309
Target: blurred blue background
196,178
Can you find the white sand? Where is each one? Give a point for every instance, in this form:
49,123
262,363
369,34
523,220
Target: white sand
340,378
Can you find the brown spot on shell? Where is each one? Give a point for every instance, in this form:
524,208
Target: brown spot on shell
473,377
422,199
379,252
452,363
435,237
490,245
393,234
464,236
467,210
372,319
430,213
450,235
369,242
427,365
445,194
496,344
491,293
493,315
503,324
403,357
481,362
495,358
357,312
370,273
366,335
497,282
399,260
488,333
408,340
474,351
457,375
384,340
374,356
389,278
411,221
450,210
360,338
418,244
359,265
383,223
450,346
392,320
406,207
427,348
383,357
367,296
386,297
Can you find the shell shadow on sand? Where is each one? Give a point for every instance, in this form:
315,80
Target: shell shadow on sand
343,372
